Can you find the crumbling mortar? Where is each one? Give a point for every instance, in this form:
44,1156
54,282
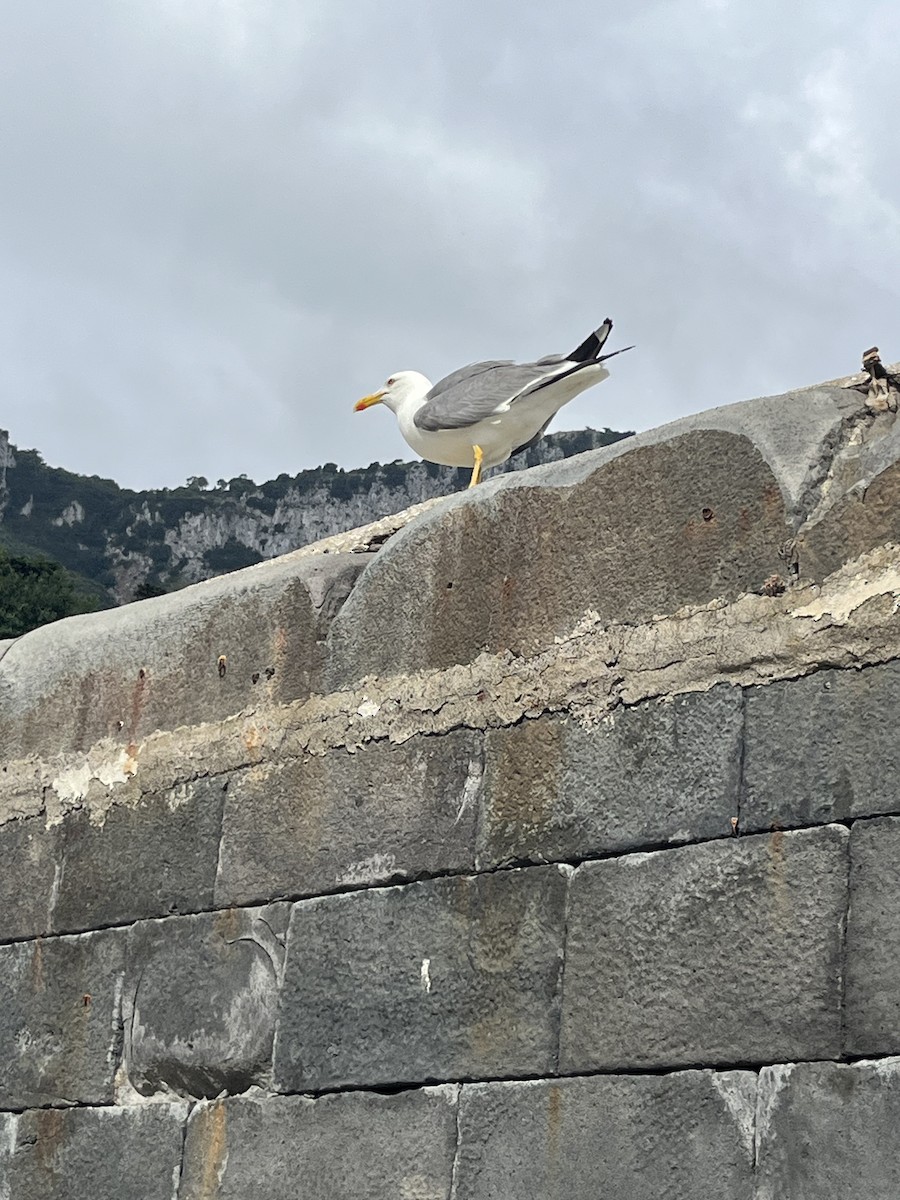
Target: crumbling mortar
323,723
254,1092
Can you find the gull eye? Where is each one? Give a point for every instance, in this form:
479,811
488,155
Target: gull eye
391,381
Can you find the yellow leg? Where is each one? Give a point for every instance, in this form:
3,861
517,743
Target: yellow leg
478,455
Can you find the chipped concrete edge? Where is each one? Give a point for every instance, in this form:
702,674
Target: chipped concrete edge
849,621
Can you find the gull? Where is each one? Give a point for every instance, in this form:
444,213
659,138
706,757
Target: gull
484,413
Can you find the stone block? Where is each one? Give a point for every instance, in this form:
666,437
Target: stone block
94,1153
685,1136
448,979
872,997
829,1130
862,517
353,1146
822,749
509,568
660,772
60,1019
728,952
342,820
30,860
150,859
200,1001
200,654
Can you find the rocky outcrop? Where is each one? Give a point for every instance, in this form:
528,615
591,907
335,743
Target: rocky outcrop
131,543
536,841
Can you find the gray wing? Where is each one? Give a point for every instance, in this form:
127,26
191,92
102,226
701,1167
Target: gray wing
472,393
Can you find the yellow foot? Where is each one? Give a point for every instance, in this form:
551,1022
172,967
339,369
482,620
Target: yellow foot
478,455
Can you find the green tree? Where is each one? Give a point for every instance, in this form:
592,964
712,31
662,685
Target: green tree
33,592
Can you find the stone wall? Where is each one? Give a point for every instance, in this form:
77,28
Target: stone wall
540,842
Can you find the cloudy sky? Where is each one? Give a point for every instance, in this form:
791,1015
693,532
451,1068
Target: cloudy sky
222,221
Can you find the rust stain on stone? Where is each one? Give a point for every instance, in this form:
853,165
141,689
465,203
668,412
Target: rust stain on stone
50,1124
554,1120
526,780
138,699
227,923
253,738
37,966
214,1139
778,875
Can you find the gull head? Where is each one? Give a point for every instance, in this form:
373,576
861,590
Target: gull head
400,389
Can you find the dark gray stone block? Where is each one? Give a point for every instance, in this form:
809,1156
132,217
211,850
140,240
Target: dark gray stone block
508,568
659,772
150,860
338,820
29,864
728,952
201,999
351,1146
872,996
686,1136
60,1019
822,749
825,1130
95,1154
450,979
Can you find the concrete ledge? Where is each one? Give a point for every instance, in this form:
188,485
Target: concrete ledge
194,655
510,567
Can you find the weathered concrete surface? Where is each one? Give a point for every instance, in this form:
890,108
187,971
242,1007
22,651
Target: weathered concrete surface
822,749
450,979
858,502
687,1136
94,1154
827,1130
201,998
60,1019
506,569
29,873
150,860
849,621
315,824
728,952
194,655
658,772
872,1000
352,1146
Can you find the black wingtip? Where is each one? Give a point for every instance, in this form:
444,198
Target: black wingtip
592,344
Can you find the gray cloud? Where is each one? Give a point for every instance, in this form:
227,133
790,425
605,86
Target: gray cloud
222,222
